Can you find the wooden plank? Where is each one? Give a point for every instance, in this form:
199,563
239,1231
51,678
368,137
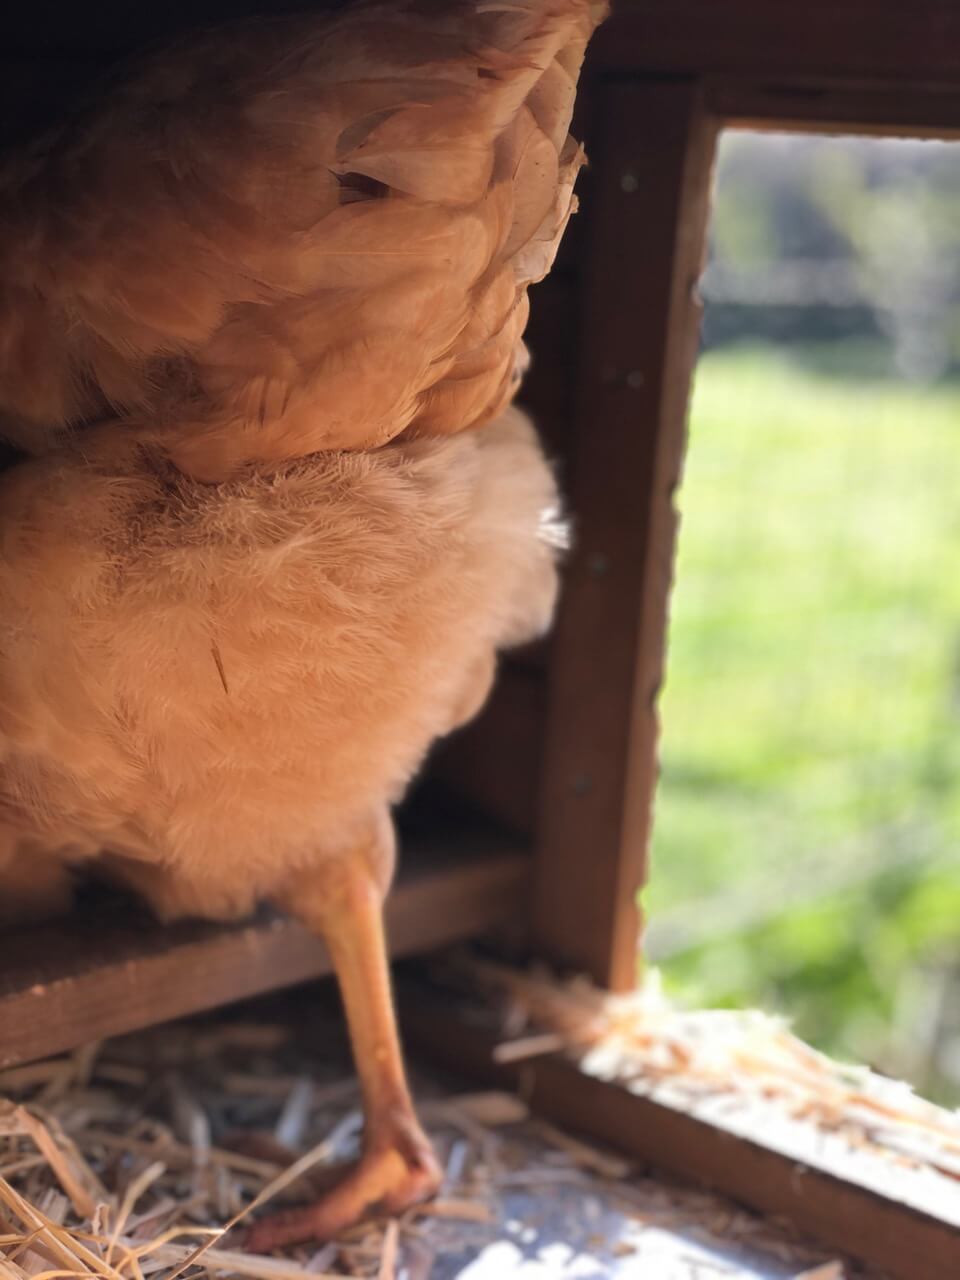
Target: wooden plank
107,28
851,40
108,972
884,112
652,163
881,1220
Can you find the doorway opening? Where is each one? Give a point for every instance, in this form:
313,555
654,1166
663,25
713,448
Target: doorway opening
806,848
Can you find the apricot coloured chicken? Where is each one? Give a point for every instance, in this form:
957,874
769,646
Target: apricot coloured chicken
256,563
218,691
300,234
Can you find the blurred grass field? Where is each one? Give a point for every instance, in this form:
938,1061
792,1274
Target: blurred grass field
806,853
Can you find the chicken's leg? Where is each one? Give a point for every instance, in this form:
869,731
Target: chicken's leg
397,1168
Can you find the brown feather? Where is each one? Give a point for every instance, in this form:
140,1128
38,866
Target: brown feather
276,238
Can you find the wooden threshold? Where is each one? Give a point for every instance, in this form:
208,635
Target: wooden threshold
884,1216
112,969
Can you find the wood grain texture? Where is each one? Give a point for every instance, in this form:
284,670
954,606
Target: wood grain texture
108,28
869,1217
114,970
652,162
898,111
852,40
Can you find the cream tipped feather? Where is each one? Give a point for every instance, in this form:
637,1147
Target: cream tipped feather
211,686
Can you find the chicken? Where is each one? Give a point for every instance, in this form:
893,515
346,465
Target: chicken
240,241
255,563
218,691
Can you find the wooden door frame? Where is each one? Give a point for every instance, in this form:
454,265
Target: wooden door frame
639,325
653,154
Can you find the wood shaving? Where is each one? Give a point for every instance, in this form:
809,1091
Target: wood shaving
743,1069
134,1159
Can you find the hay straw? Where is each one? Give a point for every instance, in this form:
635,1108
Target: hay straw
111,1169
524,1047
133,1193
458,1210
72,1172
743,1059
583,1154
299,1167
65,1246
388,1257
245,1264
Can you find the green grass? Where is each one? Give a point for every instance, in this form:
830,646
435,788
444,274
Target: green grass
808,817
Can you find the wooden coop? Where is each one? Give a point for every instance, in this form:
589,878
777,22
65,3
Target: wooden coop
536,820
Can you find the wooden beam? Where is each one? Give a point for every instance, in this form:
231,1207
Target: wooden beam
849,38
652,165
852,40
889,111
111,28
101,974
878,1216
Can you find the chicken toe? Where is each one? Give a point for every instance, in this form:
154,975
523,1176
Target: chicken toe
396,1171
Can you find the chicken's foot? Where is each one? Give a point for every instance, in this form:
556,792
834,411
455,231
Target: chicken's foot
344,901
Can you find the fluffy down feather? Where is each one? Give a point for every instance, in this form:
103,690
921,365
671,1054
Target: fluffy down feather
303,233
211,686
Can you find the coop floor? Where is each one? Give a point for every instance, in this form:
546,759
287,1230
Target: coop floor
211,1099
